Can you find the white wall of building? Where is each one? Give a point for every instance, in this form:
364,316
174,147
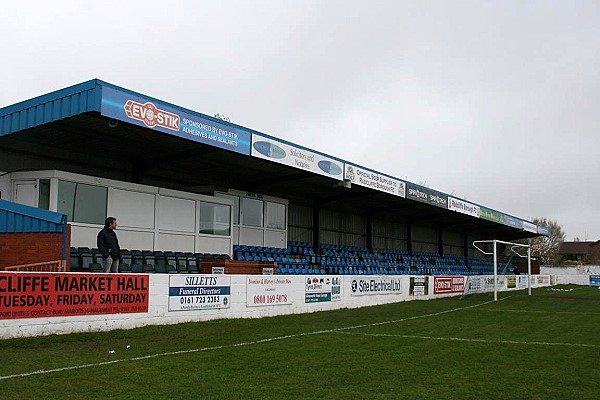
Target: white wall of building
149,218
4,186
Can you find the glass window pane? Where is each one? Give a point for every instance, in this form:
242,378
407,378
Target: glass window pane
253,212
275,215
90,204
236,205
82,203
215,219
66,198
44,194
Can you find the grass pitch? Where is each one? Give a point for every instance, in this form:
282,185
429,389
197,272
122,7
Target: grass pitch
545,346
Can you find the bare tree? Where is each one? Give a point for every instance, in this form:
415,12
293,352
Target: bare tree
545,248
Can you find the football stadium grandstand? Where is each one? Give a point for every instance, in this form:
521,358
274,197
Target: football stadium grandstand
193,193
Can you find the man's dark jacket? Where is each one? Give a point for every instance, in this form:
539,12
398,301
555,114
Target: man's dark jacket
108,244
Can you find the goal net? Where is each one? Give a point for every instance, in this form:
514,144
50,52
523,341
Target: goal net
500,259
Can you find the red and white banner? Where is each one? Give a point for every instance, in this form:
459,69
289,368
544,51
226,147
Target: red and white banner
40,295
448,284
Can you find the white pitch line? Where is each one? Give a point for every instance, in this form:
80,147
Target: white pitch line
241,344
455,339
543,312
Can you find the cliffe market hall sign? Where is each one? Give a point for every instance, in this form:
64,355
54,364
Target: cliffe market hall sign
42,295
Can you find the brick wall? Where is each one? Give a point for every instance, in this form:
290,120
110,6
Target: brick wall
595,256
521,264
29,248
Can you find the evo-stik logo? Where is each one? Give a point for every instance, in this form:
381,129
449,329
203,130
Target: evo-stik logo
151,116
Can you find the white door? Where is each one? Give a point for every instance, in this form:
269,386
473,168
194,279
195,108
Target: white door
25,192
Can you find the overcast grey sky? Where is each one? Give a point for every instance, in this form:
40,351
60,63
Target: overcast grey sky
496,102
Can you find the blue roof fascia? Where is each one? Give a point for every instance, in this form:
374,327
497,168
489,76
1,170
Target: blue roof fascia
34,212
54,106
211,118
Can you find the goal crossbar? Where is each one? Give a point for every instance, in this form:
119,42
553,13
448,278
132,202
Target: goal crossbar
513,249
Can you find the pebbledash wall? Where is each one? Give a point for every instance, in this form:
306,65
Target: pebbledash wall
576,275
172,298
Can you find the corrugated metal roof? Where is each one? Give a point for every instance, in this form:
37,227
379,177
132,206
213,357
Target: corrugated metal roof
16,217
64,103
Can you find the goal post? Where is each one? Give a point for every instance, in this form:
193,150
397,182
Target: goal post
491,247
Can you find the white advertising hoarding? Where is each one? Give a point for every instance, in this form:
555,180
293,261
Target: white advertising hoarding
296,157
199,292
268,290
322,288
529,227
463,207
362,177
375,285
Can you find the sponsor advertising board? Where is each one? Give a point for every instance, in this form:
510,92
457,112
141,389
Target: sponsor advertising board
475,284
379,285
283,153
511,281
488,283
543,230
463,207
502,281
124,106
448,284
530,227
512,221
424,195
491,215
363,177
322,288
268,290
36,295
594,280
199,292
419,286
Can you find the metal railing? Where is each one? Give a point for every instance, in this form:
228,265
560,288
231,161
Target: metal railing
47,266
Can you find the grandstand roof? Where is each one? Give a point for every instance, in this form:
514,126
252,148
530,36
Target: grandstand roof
104,130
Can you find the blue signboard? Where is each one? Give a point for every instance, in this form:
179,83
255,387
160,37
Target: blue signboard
594,280
514,222
130,108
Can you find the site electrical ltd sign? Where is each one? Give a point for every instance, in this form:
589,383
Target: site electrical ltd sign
379,285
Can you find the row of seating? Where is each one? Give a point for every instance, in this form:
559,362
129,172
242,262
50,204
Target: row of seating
84,259
298,258
295,259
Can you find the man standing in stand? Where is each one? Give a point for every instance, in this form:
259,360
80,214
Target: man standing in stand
109,246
